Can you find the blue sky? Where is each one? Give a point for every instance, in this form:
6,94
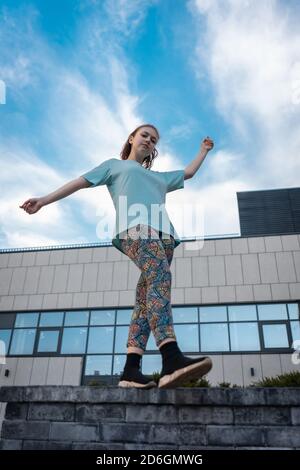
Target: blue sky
80,75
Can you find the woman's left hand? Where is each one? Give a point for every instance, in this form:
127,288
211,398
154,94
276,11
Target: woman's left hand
207,144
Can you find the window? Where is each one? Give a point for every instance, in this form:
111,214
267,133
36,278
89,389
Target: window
272,312
295,327
275,336
124,316
74,341
151,345
121,339
293,310
185,315
51,319
5,338
100,339
76,318
22,342
47,341
214,337
188,337
151,363
24,320
119,362
244,336
211,314
98,365
102,317
242,312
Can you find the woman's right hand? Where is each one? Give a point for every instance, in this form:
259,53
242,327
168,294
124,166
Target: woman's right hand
32,205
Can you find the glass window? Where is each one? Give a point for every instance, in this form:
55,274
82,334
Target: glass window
187,337
151,363
7,320
48,341
74,341
211,314
119,362
151,345
275,336
272,312
51,319
214,337
124,316
185,314
242,312
295,327
102,317
24,320
244,337
22,341
4,341
121,339
101,339
98,365
76,318
293,311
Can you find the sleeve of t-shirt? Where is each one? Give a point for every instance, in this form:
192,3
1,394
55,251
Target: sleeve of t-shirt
174,180
99,175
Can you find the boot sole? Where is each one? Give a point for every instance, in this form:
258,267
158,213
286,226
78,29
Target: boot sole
180,376
126,384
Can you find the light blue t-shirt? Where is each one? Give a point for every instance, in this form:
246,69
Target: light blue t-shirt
138,195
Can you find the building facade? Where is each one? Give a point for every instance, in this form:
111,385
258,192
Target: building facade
64,313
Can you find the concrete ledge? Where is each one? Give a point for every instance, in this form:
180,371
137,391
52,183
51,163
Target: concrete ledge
65,417
180,396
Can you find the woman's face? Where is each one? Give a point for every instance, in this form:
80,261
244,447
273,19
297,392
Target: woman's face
144,140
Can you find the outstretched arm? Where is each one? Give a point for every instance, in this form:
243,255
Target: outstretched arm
194,166
32,205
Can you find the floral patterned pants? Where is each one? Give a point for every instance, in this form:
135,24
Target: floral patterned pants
153,255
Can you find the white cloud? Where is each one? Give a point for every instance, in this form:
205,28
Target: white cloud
249,51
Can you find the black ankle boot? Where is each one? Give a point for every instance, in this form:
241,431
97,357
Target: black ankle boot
177,368
132,376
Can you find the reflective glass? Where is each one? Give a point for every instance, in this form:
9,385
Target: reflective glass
121,339
102,317
211,314
275,336
101,339
48,341
24,320
185,314
98,365
151,363
119,362
272,312
124,316
244,337
74,341
187,337
51,319
214,337
22,341
76,318
5,338
242,312
293,311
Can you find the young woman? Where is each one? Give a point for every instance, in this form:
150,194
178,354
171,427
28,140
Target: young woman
149,241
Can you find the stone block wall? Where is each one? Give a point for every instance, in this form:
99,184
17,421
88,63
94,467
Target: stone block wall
74,417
